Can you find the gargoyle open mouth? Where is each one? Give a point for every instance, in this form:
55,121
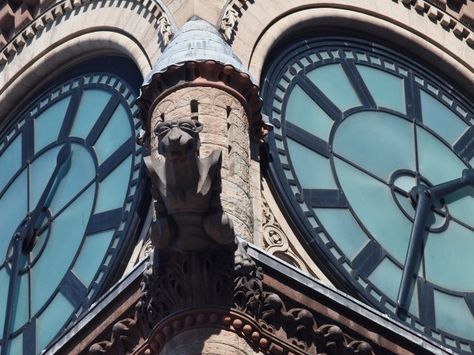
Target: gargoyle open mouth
181,151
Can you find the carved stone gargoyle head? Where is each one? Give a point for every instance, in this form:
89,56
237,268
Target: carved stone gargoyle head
178,138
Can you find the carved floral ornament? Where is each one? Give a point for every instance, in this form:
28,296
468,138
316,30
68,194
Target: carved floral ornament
461,24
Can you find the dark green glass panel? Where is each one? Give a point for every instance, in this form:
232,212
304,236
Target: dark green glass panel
10,161
67,228
115,133
333,82
302,111
92,253
372,202
312,169
48,124
113,189
57,313
387,89
379,142
92,104
343,229
13,207
81,172
453,315
448,258
441,119
4,281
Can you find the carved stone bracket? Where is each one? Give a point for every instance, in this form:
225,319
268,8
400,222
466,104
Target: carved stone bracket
204,290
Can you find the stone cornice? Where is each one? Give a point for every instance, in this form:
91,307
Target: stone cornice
460,23
54,13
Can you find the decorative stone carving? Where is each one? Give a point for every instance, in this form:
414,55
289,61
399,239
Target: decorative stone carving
164,29
186,190
228,23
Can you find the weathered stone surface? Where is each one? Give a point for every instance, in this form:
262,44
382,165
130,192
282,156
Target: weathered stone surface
225,128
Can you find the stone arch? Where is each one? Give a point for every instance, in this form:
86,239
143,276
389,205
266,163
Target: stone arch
70,32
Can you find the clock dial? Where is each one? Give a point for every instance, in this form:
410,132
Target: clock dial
68,193
359,131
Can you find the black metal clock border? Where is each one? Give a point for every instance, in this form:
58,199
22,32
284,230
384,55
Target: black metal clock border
373,251
133,217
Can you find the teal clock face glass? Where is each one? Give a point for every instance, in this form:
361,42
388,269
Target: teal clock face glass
372,155
68,194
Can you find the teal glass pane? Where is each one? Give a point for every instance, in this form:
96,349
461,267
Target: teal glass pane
81,172
312,170
117,131
302,111
4,281
92,104
441,119
67,229
387,278
387,90
15,345
379,142
461,205
372,202
343,229
10,161
453,315
448,258
52,320
48,124
40,172
92,253
333,82
13,207
405,182
113,189
437,162
21,314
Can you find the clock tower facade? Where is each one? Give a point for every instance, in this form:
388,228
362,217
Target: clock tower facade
345,137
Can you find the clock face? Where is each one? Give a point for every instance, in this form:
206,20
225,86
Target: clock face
68,193
357,130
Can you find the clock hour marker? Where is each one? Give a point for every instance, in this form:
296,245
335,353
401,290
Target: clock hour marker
307,139
70,114
465,145
27,141
368,259
469,298
412,99
318,96
358,83
104,221
316,198
29,337
115,159
73,289
426,302
103,120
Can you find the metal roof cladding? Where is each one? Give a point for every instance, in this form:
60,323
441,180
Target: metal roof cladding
197,41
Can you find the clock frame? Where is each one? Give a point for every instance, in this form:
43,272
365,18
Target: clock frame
117,226
296,70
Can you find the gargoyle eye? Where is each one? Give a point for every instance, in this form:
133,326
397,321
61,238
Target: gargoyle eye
162,129
187,126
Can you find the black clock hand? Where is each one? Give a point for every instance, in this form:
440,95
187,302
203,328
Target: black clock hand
414,247
441,190
427,197
63,163
12,291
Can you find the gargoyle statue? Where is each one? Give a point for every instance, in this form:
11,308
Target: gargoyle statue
186,190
